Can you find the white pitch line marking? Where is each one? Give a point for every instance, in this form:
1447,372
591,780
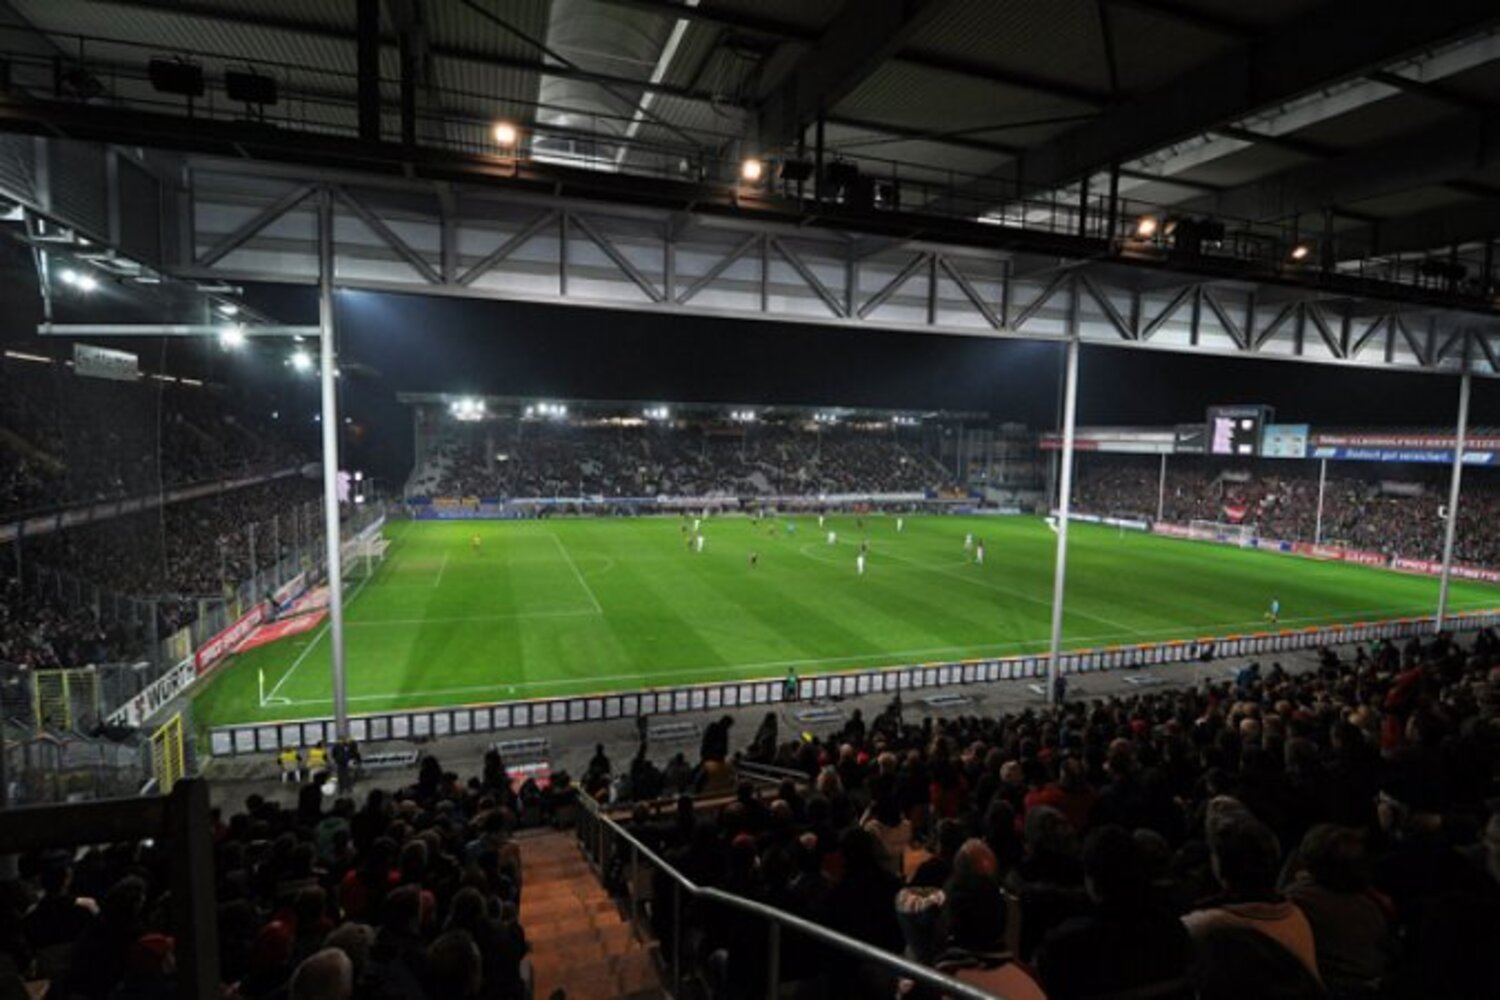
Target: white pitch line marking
576,575
441,570
312,644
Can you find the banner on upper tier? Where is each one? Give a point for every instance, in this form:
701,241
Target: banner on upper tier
1430,456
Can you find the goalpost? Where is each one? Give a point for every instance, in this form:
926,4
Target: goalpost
1216,531
362,556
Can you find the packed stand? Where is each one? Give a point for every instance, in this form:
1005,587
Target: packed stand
1329,834
551,459
163,560
412,895
1281,500
66,439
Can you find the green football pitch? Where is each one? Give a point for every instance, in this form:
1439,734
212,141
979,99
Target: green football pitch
561,607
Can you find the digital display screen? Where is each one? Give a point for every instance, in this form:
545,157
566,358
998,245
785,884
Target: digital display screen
1235,430
1284,441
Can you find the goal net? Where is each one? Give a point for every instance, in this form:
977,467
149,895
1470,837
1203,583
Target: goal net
1216,531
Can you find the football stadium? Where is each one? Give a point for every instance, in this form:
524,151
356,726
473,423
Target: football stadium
728,500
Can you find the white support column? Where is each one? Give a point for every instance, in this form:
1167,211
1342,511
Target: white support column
1161,488
1450,528
1322,485
1064,500
328,361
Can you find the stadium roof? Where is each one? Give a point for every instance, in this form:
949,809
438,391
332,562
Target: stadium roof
1367,120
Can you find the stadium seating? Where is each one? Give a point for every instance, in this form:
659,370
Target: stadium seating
1343,811
559,459
1281,499
66,439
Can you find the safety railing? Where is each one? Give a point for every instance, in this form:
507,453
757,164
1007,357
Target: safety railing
604,842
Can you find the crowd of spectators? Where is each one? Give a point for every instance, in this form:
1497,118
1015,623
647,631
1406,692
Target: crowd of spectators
559,459
66,439
1325,834
412,895
1360,510
85,595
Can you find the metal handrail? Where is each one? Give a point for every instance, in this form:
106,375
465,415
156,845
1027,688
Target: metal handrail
778,921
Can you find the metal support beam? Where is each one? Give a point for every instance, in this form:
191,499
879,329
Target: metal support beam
389,237
1451,149
1322,486
327,373
253,225
168,330
1065,495
1161,489
367,59
891,287
859,38
1256,72
620,260
1450,527
506,248
970,293
806,273
712,274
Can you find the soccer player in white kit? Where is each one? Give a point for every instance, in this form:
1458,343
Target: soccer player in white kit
900,525
979,554
859,564
968,541
698,543
820,520
833,537
697,523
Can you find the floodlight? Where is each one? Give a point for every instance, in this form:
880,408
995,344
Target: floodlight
1146,226
87,283
752,170
302,361
250,88
69,276
229,309
174,76
232,337
1301,252
505,134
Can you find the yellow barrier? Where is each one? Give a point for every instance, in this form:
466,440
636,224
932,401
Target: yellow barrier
167,757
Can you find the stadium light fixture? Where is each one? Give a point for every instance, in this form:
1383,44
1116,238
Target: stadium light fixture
229,309
302,361
1301,252
467,409
232,337
752,170
656,413
1146,227
505,134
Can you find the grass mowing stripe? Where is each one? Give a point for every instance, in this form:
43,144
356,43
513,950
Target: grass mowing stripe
965,652
674,616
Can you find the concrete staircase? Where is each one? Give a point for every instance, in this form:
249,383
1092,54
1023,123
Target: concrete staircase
579,940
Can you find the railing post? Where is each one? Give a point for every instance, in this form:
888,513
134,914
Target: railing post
193,890
773,961
676,938
635,870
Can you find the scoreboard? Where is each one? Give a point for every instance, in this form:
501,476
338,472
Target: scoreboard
1236,430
